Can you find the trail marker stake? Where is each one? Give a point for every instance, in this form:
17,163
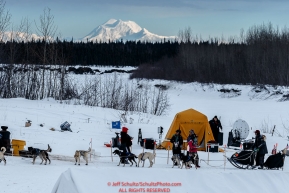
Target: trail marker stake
225,158
144,143
208,153
154,152
111,152
90,147
168,154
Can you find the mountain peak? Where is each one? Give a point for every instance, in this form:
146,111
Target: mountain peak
110,21
116,29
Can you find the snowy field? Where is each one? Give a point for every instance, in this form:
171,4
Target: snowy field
102,173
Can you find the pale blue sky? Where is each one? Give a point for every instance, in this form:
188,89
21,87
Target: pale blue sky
214,18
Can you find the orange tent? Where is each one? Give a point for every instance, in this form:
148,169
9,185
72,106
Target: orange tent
187,120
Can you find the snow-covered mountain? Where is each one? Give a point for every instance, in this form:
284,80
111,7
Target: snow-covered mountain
126,30
18,36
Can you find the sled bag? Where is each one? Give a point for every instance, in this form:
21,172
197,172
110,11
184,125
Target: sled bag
275,161
149,143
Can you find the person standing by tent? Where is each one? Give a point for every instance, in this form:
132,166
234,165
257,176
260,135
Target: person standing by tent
177,141
261,148
192,136
125,140
192,153
215,124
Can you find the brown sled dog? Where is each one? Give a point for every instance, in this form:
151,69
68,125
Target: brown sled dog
83,153
43,154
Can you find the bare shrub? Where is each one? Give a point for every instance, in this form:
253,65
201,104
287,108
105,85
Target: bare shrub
266,127
112,92
100,90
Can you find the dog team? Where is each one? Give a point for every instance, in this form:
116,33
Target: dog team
44,156
125,155
178,158
35,152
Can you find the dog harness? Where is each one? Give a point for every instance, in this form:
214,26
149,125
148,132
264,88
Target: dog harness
37,151
82,153
142,155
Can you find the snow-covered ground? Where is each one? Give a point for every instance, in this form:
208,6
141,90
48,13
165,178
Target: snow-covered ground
94,124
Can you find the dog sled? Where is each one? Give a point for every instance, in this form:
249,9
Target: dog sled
243,159
25,153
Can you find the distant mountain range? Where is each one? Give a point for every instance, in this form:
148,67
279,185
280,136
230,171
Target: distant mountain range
111,30
122,30
18,36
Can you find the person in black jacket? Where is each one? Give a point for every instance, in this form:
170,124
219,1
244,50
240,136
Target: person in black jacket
125,140
177,141
261,148
215,124
192,136
5,138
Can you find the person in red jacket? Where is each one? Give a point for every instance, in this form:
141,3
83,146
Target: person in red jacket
192,153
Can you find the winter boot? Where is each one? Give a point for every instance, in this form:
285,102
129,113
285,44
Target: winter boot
253,167
196,163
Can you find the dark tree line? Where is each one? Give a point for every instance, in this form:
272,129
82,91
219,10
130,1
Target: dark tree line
117,53
259,56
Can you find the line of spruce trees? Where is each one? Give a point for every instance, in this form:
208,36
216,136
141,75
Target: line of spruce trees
117,53
259,56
